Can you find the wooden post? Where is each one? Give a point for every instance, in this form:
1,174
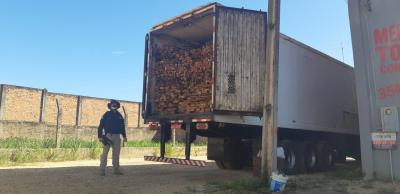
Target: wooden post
2,100
43,100
59,121
269,134
78,111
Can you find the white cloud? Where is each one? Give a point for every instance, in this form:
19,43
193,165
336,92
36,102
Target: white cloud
118,52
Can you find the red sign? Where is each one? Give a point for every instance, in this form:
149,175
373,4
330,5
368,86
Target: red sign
176,125
384,140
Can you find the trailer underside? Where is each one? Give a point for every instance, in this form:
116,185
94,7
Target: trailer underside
235,146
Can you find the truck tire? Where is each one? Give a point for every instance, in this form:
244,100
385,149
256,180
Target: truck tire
232,165
227,153
292,157
300,152
233,154
310,157
325,159
220,164
339,156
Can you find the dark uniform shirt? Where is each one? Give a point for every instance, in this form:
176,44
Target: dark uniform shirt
113,123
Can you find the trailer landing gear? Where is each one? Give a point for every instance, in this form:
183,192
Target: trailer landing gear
188,139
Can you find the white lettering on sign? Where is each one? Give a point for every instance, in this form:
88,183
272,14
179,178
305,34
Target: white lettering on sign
384,140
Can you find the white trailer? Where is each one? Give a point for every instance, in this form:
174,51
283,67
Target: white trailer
317,109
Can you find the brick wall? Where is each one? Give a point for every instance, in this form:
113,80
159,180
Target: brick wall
21,104
32,113
69,105
24,104
132,110
92,111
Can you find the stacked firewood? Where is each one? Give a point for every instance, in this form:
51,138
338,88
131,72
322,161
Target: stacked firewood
183,79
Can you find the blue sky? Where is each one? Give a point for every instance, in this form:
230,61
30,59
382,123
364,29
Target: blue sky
95,47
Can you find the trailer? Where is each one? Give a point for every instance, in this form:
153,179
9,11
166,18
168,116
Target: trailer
220,95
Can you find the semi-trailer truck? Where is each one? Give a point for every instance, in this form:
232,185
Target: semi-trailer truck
317,109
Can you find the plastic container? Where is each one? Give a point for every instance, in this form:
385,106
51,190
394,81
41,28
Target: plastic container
278,182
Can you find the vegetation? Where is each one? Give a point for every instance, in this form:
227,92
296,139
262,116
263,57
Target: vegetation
351,171
387,191
26,143
16,151
20,156
248,186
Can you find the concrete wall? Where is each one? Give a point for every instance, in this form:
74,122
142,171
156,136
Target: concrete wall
42,131
36,130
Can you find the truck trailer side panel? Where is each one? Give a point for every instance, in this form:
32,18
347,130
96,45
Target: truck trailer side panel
315,91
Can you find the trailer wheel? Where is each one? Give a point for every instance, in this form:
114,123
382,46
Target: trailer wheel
292,157
325,156
299,149
310,157
339,156
234,155
220,164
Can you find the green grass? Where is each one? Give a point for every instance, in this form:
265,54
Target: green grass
297,185
387,191
368,185
26,143
347,172
248,186
20,156
20,143
25,150
142,144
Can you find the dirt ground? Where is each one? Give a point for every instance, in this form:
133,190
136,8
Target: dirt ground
143,177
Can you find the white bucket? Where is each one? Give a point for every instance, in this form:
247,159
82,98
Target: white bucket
278,182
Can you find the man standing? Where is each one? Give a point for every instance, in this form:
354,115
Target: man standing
111,128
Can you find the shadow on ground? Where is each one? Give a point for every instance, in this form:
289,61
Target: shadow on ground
143,178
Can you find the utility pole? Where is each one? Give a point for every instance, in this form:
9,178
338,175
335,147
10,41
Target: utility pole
270,130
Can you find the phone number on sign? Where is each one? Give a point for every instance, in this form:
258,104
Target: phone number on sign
389,91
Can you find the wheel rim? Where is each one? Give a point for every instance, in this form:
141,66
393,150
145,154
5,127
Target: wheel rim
291,160
313,160
330,159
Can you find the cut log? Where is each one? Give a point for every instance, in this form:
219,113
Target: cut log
184,79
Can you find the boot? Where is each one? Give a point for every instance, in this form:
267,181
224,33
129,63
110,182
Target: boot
117,171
